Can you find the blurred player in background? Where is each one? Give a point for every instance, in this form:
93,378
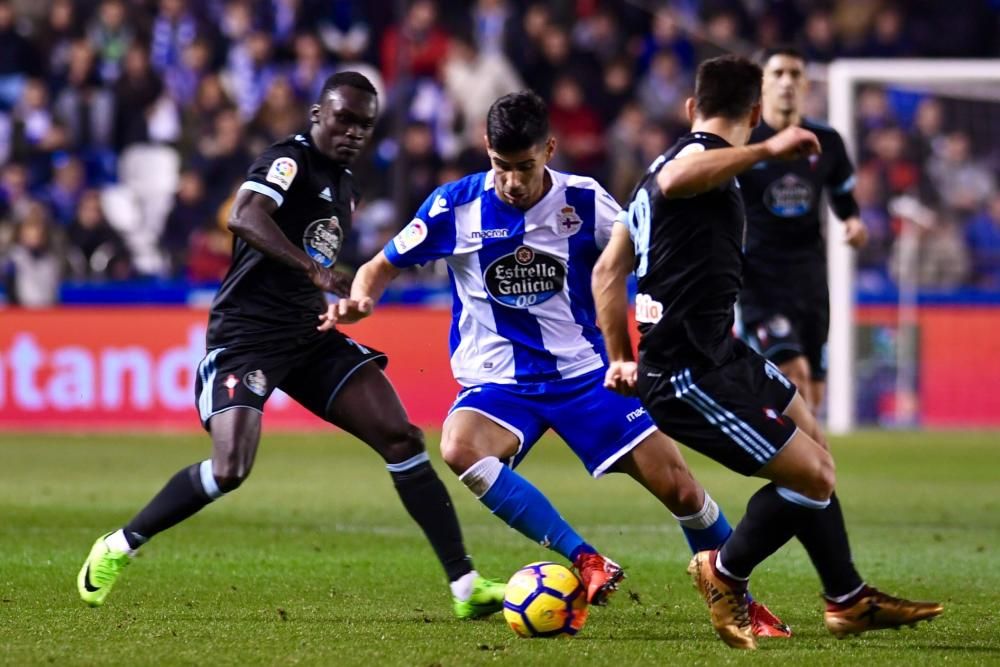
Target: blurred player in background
784,303
290,219
521,241
683,238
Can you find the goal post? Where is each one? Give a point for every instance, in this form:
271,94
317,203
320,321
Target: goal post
843,80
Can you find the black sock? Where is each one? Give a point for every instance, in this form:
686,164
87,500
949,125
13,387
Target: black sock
425,498
825,540
770,522
180,498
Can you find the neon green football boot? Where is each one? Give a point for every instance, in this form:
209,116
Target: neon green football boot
486,599
100,571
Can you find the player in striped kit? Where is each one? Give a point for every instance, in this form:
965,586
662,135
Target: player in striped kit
521,241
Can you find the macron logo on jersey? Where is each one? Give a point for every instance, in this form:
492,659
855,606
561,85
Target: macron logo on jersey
439,206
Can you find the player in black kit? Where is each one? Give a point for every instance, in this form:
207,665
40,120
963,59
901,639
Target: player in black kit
289,221
683,236
784,304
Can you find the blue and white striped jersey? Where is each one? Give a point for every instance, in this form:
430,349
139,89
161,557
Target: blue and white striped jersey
523,310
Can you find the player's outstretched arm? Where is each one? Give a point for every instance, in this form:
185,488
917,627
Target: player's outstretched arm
609,285
370,283
694,172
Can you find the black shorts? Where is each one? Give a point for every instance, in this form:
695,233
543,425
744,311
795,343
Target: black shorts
243,376
732,414
782,335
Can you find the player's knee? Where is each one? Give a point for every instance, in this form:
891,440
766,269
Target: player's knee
685,495
458,453
403,445
229,478
823,480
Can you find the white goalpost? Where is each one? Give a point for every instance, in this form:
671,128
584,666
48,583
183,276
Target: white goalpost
976,79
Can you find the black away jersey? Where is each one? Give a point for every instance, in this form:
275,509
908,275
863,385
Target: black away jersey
688,265
264,300
785,248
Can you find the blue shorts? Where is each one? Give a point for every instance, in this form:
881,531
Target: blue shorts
599,425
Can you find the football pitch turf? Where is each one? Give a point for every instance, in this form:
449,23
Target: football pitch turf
314,561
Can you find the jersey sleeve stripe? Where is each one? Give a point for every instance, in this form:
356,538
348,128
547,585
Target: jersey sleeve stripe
259,188
846,186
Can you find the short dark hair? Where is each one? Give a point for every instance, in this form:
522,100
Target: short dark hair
517,121
780,50
350,79
727,86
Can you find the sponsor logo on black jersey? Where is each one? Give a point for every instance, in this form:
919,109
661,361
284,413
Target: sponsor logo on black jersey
789,196
322,240
524,278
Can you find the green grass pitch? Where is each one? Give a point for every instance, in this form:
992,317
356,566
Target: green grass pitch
314,561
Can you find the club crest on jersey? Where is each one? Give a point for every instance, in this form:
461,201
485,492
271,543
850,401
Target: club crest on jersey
411,236
789,196
256,382
282,172
568,222
322,240
524,278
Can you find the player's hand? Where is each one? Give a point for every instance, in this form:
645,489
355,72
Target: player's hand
345,311
855,233
793,143
329,280
621,377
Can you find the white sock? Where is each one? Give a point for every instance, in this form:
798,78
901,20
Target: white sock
116,542
481,475
721,568
461,588
703,518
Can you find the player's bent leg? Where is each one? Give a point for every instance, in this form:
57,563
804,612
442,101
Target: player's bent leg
796,369
369,408
817,393
473,444
805,419
235,435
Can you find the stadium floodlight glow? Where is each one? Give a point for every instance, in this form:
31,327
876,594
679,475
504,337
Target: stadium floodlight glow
978,79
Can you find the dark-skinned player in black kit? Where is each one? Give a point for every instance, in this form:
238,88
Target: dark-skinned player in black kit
683,237
289,221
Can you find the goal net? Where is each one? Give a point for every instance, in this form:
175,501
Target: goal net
915,317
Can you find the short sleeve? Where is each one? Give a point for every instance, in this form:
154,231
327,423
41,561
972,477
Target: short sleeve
429,236
274,172
606,212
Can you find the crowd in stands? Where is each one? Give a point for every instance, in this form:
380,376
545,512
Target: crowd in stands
126,125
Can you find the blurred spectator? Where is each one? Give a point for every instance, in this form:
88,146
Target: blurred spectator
624,152
819,40
982,234
618,88
940,260
577,127
887,36
474,80
279,116
14,195
199,118
111,36
32,270
182,79
523,39
17,57
897,172
667,36
422,163
56,37
209,254
599,35
136,94
664,88
223,158
85,108
928,129
721,33
491,19
963,183
871,197
249,71
343,30
310,68
374,225
63,193
416,47
174,29
97,251
190,212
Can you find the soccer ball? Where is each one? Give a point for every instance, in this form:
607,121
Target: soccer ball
545,600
